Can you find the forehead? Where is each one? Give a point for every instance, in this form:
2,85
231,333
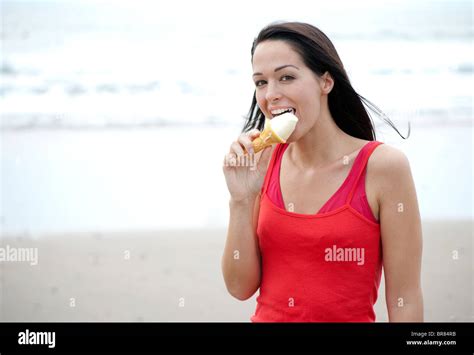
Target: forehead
273,53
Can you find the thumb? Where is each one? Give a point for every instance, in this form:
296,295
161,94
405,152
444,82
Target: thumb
254,133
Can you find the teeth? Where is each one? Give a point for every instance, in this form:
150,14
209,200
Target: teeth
282,110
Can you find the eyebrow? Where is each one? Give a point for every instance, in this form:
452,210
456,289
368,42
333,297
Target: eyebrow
279,68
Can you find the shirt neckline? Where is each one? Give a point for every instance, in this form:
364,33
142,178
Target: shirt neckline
344,183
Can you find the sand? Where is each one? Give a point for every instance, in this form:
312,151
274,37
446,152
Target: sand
175,276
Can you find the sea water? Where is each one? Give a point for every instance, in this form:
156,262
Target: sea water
117,115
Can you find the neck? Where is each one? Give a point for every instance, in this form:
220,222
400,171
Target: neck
323,144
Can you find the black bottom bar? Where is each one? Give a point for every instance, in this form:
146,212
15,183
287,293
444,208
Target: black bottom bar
56,338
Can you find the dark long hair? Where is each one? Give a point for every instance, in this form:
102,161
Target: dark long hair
320,55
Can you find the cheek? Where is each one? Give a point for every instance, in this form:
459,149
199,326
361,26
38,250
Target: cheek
308,94
310,103
260,100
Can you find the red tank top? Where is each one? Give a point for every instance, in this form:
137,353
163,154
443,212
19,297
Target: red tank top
324,267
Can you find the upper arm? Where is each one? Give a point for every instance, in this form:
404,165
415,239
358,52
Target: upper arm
400,226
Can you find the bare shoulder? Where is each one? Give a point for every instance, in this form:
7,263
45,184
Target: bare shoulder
387,159
388,170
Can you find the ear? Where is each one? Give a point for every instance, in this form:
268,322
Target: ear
327,83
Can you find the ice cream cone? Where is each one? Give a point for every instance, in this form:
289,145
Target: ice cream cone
267,138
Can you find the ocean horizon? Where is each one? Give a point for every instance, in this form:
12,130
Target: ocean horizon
117,115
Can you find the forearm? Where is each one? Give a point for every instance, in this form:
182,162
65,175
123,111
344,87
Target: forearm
241,257
406,309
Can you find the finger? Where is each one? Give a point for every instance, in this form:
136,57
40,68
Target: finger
230,160
227,159
253,133
236,149
246,142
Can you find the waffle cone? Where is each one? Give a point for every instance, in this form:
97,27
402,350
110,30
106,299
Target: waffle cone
267,138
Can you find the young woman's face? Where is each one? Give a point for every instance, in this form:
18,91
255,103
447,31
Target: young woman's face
283,81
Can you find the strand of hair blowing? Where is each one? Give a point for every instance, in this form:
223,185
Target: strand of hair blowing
319,54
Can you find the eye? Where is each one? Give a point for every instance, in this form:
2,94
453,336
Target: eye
259,82
286,78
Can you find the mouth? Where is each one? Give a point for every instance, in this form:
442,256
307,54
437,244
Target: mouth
281,111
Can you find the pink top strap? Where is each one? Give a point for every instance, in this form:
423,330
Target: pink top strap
359,169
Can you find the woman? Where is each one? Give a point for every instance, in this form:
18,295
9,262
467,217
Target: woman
310,222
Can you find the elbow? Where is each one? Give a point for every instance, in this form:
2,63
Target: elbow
241,290
241,286
240,294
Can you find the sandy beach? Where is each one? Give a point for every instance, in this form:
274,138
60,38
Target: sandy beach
175,276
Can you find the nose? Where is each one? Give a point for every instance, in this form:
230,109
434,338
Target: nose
273,93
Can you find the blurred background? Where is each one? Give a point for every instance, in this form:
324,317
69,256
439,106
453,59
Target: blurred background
115,118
